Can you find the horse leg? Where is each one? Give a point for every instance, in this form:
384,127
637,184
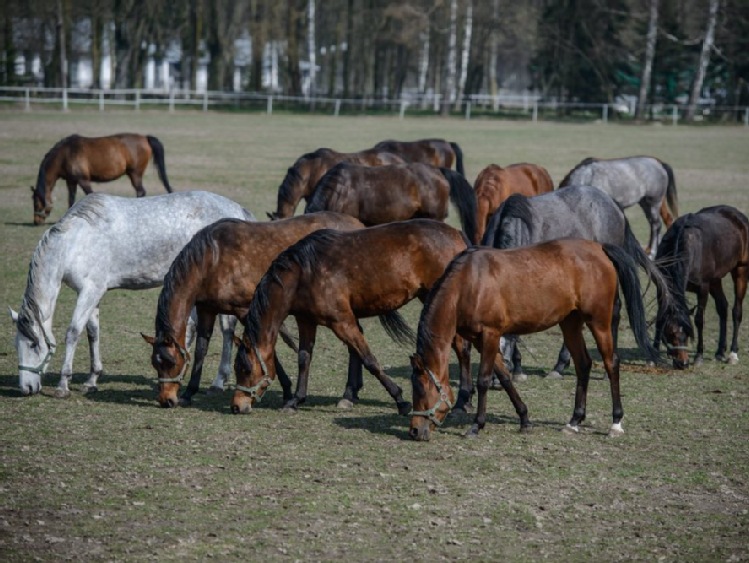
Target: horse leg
283,379
354,378
87,303
348,332
604,338
563,362
721,306
500,371
572,329
462,349
227,324
136,179
740,277
666,215
510,352
307,336
92,331
699,322
204,327
72,189
653,217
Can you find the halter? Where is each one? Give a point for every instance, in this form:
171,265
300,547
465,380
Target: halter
443,399
672,348
42,367
263,384
186,357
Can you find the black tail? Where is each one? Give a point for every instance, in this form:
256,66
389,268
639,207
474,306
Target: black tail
516,207
158,158
630,284
671,197
458,159
397,328
634,250
464,198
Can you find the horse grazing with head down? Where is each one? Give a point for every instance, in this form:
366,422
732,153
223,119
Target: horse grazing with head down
302,178
495,184
217,273
395,192
331,279
570,282
82,160
696,253
642,180
437,152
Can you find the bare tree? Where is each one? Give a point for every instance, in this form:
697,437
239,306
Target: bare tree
452,41
494,49
707,45
465,53
647,67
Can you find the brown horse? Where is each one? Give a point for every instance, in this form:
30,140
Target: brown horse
395,192
332,279
302,178
481,296
437,152
82,160
217,273
495,184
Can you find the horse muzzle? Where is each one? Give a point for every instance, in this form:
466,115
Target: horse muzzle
241,403
168,395
421,429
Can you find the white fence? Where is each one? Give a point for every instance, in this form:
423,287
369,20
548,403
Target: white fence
528,106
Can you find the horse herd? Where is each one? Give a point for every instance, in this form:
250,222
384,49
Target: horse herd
373,238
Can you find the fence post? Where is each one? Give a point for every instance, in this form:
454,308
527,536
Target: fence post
27,106
171,101
269,105
674,114
137,100
404,105
205,100
468,110
337,107
437,102
535,111
101,100
605,111
746,117
64,99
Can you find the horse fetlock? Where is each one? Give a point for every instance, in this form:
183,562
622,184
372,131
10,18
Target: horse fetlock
519,377
62,393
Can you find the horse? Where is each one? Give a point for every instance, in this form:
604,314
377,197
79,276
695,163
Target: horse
302,178
217,272
82,160
495,184
332,279
570,282
696,253
395,192
644,180
437,152
581,212
134,243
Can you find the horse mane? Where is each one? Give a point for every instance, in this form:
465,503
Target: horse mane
326,190
46,160
585,162
302,254
516,207
285,190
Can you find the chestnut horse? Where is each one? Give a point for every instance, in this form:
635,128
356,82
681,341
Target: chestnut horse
437,152
495,184
217,273
82,160
332,279
395,192
302,178
695,254
571,282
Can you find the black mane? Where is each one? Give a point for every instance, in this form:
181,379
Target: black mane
40,190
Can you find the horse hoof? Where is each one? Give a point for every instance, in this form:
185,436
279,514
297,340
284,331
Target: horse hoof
553,374
733,359
571,430
616,430
525,429
289,409
90,389
495,384
519,377
472,432
345,404
404,408
62,393
213,390
465,407
697,361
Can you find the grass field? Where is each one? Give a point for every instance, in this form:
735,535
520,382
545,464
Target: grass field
110,476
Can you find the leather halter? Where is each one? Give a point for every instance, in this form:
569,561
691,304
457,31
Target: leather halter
429,413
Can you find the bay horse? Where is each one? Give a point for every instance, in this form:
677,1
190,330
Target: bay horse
395,192
332,279
642,180
437,152
696,253
217,272
302,178
570,282
494,184
582,212
136,241
81,160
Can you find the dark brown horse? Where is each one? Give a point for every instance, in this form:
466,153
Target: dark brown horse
82,160
396,192
495,184
332,279
302,178
217,273
486,293
437,152
696,253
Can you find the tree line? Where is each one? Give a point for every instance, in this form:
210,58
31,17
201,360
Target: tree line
567,50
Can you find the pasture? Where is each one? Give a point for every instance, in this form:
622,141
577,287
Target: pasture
111,476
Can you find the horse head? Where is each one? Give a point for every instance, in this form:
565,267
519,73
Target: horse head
432,400
676,332
34,353
253,377
170,360
41,209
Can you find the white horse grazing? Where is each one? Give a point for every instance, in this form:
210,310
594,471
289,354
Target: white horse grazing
106,242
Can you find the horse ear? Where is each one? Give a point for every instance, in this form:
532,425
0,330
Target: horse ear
13,315
150,339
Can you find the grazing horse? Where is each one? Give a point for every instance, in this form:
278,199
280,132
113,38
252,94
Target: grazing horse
103,242
217,273
302,178
581,212
495,184
569,282
644,180
82,160
332,279
437,152
696,253
396,192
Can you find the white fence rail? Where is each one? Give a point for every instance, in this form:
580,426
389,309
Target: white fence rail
528,106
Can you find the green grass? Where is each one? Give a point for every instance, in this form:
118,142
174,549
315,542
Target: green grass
112,476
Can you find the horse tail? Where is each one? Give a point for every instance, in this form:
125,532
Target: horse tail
464,198
158,158
516,207
458,159
630,284
671,196
633,248
397,328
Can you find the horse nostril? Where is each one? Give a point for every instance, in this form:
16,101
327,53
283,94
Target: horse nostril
235,409
414,433
27,390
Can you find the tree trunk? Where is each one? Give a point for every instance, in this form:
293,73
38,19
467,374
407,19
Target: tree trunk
63,47
349,46
96,29
452,40
311,46
465,56
707,46
292,33
196,15
647,67
494,50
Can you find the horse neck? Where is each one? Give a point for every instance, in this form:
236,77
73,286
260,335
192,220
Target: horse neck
49,171
45,277
439,320
280,298
174,311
